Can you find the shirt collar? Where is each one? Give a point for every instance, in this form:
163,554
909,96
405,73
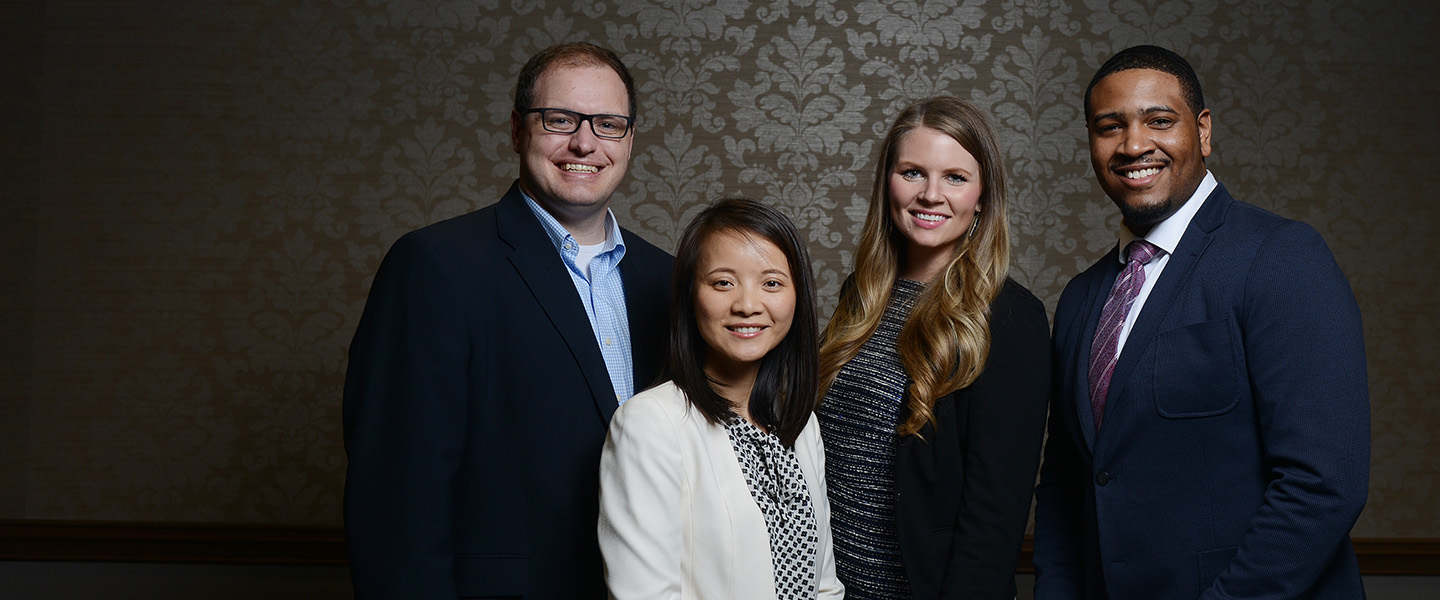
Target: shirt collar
562,238
1166,234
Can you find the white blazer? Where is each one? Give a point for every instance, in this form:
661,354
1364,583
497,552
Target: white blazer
676,517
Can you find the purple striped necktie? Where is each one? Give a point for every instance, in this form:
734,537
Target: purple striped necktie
1104,348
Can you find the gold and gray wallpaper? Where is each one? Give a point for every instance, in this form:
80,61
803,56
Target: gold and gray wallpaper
197,193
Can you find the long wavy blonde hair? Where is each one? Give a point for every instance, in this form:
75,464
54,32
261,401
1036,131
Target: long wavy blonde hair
946,339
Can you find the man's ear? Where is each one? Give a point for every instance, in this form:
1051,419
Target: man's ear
517,123
1203,122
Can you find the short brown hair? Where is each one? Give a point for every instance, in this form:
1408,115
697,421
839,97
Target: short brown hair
573,54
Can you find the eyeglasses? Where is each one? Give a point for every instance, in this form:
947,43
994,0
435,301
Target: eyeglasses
559,120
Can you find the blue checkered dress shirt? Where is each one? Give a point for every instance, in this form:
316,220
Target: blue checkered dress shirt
602,293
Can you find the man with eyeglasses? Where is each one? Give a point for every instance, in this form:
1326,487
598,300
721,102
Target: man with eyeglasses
492,352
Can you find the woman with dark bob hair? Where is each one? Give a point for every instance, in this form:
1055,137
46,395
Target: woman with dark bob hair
935,370
712,484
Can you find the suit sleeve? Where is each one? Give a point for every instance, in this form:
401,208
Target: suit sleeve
1059,572
1005,428
640,503
1304,350
404,413
1058,501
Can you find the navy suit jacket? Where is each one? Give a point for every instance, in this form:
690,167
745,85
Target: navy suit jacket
476,404
1234,454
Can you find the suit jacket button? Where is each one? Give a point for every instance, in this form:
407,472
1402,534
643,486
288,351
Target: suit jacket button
1102,478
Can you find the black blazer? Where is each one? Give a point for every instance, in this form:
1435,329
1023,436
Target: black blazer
964,486
476,403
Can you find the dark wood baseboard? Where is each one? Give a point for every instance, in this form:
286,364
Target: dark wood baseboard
91,541
1377,556
95,541
1383,556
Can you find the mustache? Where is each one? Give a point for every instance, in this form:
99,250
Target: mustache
1147,158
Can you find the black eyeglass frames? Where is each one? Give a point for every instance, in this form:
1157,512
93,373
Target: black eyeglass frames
559,120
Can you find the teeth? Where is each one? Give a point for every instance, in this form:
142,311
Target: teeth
1142,173
574,168
745,329
931,218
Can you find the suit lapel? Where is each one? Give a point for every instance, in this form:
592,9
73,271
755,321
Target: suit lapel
641,280
540,266
1097,292
1174,278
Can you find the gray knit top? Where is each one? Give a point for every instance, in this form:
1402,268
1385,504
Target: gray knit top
858,421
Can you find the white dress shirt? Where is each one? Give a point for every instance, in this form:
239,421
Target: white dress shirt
1166,236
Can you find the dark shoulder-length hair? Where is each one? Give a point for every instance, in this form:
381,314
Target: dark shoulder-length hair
785,388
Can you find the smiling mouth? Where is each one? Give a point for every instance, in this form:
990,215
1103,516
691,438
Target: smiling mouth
747,329
929,217
578,168
1142,173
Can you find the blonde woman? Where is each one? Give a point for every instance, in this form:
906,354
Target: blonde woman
935,370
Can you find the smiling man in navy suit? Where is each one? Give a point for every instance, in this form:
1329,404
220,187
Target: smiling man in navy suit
1209,432
493,349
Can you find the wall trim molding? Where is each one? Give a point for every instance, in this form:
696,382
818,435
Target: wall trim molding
1377,556
106,541
109,541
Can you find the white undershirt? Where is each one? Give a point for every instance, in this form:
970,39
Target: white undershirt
587,254
1166,236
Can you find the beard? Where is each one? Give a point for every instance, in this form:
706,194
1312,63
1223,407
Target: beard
1141,218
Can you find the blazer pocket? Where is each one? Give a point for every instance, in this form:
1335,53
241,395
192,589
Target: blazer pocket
1211,564
1198,370
491,576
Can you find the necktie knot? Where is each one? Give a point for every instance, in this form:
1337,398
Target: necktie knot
1141,251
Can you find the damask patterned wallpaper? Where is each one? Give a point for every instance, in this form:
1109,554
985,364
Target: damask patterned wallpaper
198,192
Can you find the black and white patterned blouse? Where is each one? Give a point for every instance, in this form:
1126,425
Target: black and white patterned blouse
773,475
858,421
